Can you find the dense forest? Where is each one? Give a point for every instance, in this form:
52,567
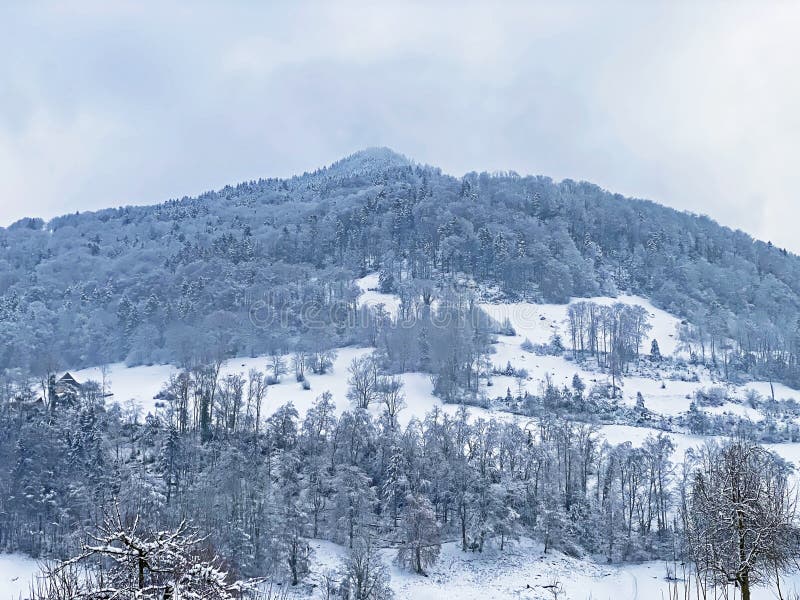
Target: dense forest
238,271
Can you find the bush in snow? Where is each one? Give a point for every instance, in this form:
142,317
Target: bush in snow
507,328
753,398
713,396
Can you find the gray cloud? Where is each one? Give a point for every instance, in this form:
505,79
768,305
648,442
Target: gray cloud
691,105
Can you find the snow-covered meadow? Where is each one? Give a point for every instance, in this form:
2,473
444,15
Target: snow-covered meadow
17,573
522,571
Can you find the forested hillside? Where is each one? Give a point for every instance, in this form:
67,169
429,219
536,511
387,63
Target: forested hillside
238,271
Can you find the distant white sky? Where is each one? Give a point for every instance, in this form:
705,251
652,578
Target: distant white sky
695,105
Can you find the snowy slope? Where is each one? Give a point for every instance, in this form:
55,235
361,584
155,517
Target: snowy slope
664,392
538,322
521,571
142,383
370,296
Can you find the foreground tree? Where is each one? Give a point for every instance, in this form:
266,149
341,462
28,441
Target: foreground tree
740,516
123,561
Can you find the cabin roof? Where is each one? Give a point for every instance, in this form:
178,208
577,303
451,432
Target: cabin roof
69,379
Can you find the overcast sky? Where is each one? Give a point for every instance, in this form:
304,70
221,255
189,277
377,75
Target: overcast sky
693,105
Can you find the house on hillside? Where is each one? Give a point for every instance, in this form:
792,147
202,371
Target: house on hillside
68,385
64,390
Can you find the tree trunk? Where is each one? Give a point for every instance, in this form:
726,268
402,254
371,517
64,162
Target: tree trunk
463,530
744,582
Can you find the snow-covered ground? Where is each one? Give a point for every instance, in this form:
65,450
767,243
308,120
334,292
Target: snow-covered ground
667,393
538,322
782,392
664,393
130,384
521,571
142,384
16,575
370,296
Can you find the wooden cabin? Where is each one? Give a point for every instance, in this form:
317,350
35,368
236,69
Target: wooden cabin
68,385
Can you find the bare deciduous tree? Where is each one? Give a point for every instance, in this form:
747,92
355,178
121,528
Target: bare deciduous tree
741,518
390,390
122,561
363,381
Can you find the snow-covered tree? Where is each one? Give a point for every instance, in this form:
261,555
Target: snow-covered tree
363,381
741,515
126,562
365,575
420,544
655,351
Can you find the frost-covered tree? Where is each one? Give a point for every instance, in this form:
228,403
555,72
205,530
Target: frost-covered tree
363,381
125,561
277,366
365,575
420,544
353,504
390,393
655,351
740,517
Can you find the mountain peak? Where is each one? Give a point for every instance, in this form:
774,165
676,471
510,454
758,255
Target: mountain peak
376,158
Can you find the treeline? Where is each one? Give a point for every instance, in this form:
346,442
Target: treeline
450,339
612,334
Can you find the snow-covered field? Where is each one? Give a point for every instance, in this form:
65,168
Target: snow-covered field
669,396
370,296
521,571
667,393
16,575
142,384
538,322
